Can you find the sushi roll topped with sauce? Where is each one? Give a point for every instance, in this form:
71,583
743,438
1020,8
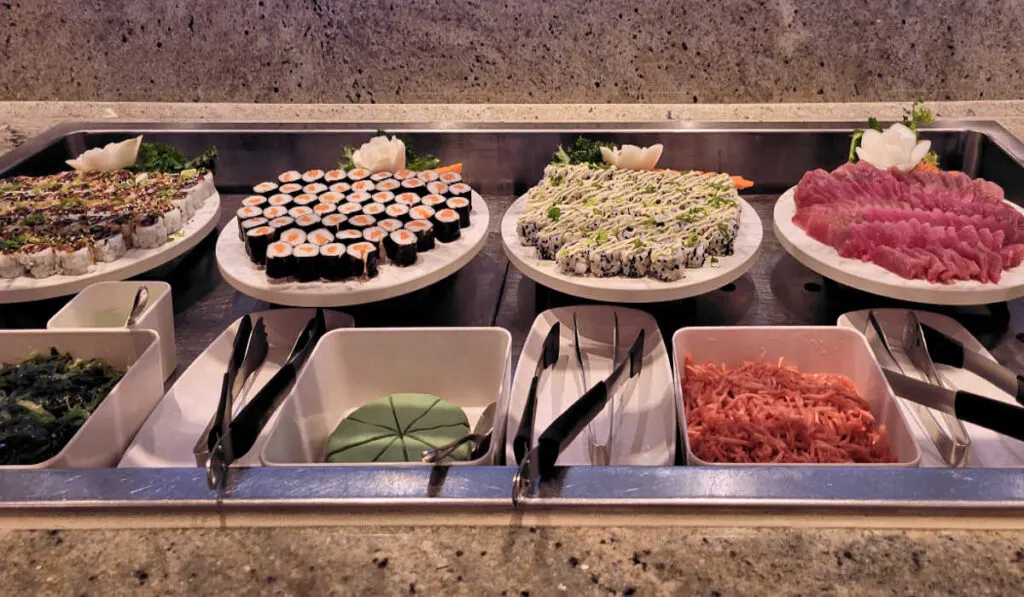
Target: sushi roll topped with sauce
291,188
333,176
265,188
382,175
342,188
312,176
358,174
389,185
289,176
404,174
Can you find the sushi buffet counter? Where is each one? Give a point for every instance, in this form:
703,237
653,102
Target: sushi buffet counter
609,353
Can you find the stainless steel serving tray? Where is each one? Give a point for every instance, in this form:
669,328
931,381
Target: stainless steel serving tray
502,161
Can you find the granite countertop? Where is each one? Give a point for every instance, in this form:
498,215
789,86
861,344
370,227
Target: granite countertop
379,558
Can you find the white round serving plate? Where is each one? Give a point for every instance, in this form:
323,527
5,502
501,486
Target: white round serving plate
133,263
619,289
866,276
430,267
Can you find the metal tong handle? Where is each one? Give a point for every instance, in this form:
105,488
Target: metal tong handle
441,452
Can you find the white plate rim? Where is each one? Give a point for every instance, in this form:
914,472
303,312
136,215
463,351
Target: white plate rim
869,277
620,289
253,282
133,263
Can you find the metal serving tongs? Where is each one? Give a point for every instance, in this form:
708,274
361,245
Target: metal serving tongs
539,463
954,448
230,439
600,451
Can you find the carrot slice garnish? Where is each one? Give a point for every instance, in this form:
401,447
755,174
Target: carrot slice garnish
456,168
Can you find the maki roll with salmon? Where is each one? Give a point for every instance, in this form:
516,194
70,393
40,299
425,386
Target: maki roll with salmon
265,188
446,225
275,211
462,207
291,188
424,232
437,188
460,189
391,185
350,209
378,176
357,174
364,186
407,199
244,226
341,188
307,262
289,176
359,197
364,259
324,209
349,237
414,185
373,209
334,222
450,178
332,197
293,236
320,237
390,225
385,198
308,222
428,175
311,176
254,201
435,201
256,242
401,248
375,235
421,212
315,188
246,213
280,261
281,199
280,225
397,211
404,175
333,262
361,222
305,199
299,210
334,176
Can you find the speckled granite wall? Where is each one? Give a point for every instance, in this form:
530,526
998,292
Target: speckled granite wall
666,51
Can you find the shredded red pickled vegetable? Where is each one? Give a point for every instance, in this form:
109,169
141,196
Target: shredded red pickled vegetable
772,413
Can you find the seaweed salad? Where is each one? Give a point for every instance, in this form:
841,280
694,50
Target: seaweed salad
45,399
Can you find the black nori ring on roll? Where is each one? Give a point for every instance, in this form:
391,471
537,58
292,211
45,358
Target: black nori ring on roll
244,226
460,189
256,242
333,262
366,259
280,262
434,201
401,247
446,225
414,185
424,232
461,206
246,213
307,261
375,235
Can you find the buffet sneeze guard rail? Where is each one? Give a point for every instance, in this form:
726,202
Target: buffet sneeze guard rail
502,161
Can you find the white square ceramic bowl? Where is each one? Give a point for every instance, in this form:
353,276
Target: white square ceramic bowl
106,434
470,367
811,350
106,305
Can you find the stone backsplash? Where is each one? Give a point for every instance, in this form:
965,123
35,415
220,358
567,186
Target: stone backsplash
523,51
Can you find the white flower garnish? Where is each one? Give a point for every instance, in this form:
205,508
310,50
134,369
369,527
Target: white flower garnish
381,155
631,157
897,147
113,156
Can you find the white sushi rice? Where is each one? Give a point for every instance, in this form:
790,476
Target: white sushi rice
110,249
10,267
41,263
150,237
75,263
172,221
